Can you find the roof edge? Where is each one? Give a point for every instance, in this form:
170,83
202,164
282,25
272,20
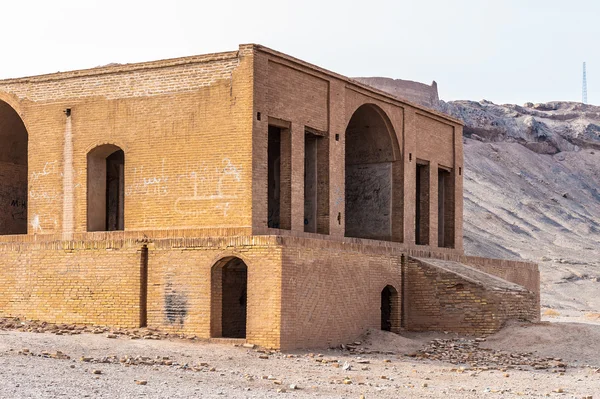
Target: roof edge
356,83
128,67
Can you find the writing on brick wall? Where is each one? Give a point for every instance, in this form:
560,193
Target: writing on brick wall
18,209
201,181
155,185
205,182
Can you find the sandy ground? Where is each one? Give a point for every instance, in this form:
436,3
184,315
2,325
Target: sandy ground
239,372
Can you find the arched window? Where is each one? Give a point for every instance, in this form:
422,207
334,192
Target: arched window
106,188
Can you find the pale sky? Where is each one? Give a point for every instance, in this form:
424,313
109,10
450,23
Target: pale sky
505,51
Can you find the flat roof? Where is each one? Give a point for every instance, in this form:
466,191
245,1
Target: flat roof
205,58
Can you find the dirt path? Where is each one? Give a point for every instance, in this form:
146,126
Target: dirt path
30,367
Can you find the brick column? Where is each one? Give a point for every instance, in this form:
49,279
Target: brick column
297,174
458,174
337,126
259,144
410,165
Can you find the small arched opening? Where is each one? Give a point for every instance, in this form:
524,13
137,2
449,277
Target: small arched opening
229,297
373,181
390,309
106,188
13,171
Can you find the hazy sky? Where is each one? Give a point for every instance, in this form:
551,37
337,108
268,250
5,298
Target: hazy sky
506,51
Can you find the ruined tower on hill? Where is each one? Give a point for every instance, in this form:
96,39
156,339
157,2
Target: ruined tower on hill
416,92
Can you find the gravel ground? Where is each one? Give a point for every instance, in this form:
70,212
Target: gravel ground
34,365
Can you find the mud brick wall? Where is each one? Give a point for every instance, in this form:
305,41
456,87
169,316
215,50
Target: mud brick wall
71,282
180,272
331,292
441,301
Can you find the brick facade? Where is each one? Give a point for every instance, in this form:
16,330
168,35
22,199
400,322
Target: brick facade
258,196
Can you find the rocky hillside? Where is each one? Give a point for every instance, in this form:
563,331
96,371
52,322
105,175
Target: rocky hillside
532,191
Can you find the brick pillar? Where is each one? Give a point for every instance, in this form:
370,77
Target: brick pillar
297,176
410,170
216,301
68,221
259,144
323,193
458,174
397,201
337,126
285,210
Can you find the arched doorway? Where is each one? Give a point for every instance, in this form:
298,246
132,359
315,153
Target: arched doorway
229,297
390,315
13,171
373,178
106,188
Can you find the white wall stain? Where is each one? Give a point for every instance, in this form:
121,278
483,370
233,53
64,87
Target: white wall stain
36,224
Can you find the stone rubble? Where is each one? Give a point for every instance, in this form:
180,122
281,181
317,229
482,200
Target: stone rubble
462,351
15,323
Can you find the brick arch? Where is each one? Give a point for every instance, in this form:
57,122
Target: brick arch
13,101
99,143
396,146
14,162
373,176
228,298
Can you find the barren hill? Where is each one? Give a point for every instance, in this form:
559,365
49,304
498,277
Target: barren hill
532,191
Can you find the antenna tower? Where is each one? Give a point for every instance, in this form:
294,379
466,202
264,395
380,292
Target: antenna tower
584,87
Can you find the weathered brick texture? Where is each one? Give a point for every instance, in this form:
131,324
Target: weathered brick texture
443,300
71,282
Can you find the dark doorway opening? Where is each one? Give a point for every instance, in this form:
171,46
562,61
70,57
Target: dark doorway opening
279,178
445,208
390,318
310,183
229,298
106,189
115,199
422,205
316,183
13,173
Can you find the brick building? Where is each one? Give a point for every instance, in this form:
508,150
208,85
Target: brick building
244,194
